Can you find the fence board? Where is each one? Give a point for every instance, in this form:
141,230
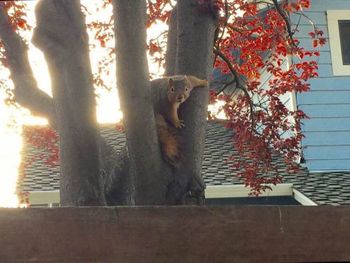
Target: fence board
176,234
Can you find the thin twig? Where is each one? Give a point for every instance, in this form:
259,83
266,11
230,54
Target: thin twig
225,86
238,84
286,20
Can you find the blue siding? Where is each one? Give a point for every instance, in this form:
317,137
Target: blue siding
330,165
326,111
323,5
329,153
325,97
306,42
304,30
320,138
327,142
329,125
325,57
318,16
330,84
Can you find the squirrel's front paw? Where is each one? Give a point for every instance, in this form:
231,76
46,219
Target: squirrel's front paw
179,124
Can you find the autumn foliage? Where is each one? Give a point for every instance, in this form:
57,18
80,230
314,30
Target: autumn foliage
263,126
252,37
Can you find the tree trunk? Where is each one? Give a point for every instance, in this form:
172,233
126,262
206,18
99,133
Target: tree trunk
195,36
61,35
136,103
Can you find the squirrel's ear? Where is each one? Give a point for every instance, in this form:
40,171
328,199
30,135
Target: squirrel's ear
170,82
196,82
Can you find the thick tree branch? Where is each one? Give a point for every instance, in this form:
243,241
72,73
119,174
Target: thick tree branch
26,90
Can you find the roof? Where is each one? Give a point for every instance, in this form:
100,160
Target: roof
323,188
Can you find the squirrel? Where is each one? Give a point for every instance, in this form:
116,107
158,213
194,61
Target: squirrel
167,96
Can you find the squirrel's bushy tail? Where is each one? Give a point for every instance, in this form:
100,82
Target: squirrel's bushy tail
169,140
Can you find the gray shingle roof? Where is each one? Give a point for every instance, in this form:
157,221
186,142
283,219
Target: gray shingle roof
322,188
327,188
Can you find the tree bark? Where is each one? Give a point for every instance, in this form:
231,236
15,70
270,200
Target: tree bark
61,35
117,184
136,103
195,35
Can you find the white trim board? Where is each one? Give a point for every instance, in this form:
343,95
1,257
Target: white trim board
228,191
334,40
302,199
44,197
236,191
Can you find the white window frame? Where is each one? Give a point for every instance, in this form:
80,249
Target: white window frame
333,16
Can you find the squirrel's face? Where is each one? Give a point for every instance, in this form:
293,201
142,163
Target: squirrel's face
178,90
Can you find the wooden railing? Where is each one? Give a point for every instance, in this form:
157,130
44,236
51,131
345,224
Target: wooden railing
176,234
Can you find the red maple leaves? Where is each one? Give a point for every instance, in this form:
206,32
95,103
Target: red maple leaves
45,140
258,44
17,14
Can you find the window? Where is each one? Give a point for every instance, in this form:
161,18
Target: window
344,33
339,38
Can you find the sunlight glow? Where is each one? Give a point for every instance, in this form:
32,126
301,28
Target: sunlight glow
216,109
156,32
10,146
39,67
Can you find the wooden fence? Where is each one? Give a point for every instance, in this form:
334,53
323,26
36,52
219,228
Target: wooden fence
176,234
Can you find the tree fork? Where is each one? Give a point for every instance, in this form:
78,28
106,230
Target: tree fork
26,89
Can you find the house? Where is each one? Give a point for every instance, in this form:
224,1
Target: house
326,146
223,187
